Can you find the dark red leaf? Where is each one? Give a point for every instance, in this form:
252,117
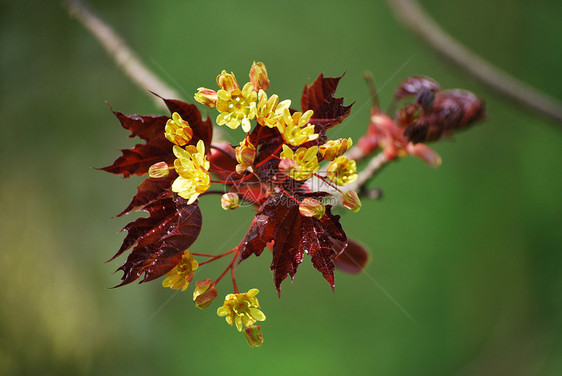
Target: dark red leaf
278,220
150,191
137,160
171,227
319,97
353,259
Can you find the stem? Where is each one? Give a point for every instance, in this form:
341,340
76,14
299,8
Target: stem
494,78
229,265
125,58
213,257
374,166
329,183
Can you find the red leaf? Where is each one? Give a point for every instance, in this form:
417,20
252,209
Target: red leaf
353,259
279,220
137,160
150,128
171,227
149,191
319,97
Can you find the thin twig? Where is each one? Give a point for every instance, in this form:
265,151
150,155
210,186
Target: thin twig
497,80
374,166
120,52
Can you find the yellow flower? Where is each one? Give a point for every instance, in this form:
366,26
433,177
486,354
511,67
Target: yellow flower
301,164
182,274
237,107
295,128
241,309
335,148
270,111
342,171
192,167
178,131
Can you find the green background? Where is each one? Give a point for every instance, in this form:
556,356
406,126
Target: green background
471,250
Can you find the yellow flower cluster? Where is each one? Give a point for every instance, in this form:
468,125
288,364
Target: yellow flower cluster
301,164
238,106
182,274
192,167
241,309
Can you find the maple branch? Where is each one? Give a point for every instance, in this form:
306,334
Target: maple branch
374,166
416,19
120,52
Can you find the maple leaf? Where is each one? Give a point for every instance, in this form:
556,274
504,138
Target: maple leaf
150,191
157,148
136,161
278,220
328,110
161,238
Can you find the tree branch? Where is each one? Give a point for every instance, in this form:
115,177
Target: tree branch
120,52
495,79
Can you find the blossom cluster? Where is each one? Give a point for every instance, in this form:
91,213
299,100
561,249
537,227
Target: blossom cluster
272,168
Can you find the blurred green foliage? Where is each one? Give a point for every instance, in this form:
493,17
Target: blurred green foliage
471,250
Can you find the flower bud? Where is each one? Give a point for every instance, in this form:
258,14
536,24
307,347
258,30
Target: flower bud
351,201
335,148
204,294
246,152
258,76
206,97
158,170
178,131
254,336
310,207
230,201
227,82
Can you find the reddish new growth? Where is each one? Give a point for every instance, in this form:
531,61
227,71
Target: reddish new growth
273,168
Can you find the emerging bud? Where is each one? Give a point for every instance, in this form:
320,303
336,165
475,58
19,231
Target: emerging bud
230,201
158,170
310,207
206,97
342,171
254,336
351,201
205,293
178,131
227,82
335,148
258,76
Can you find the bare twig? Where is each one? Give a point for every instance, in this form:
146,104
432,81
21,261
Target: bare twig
374,166
522,94
120,52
